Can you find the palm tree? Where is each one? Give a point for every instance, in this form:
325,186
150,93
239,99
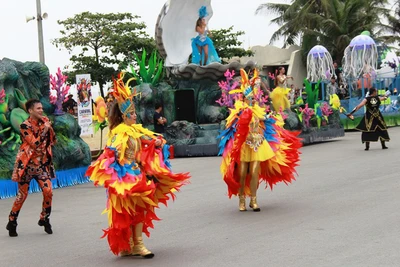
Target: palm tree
394,24
331,23
346,20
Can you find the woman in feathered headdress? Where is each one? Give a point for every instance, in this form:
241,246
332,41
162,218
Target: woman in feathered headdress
254,146
203,50
134,169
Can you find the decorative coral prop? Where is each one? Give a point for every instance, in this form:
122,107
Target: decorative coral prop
60,89
227,100
306,114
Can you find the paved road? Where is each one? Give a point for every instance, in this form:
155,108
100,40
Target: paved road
343,210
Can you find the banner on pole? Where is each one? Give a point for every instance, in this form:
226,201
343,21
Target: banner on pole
83,87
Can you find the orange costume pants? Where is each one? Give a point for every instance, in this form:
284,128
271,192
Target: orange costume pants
23,188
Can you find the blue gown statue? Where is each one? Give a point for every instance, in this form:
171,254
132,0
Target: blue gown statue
203,50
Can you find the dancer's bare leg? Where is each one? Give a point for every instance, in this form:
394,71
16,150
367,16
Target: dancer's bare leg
200,49
205,48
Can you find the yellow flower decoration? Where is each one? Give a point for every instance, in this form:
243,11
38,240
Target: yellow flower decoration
100,110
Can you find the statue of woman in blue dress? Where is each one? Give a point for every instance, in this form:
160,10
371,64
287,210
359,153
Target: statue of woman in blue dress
203,50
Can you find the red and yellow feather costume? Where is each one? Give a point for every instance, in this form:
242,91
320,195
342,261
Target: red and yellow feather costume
137,177
251,135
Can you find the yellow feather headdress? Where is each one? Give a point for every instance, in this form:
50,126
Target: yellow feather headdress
123,94
247,86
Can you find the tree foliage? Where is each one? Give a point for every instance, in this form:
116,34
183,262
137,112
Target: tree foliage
102,44
331,23
394,22
227,43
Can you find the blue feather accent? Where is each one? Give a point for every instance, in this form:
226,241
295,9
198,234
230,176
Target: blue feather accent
122,170
203,12
270,131
248,91
126,105
166,155
225,136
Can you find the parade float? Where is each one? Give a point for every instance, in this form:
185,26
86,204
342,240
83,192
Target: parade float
367,64
192,97
320,115
18,83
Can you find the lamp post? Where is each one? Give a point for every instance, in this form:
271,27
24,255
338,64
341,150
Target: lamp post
40,31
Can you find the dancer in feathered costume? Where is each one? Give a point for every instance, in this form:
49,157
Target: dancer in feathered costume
255,147
279,95
135,170
203,50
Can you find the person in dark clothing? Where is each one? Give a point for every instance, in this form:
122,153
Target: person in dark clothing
338,74
372,126
159,120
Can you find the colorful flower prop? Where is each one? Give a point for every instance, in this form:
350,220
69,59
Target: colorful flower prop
227,100
326,110
99,120
60,89
322,112
261,99
334,101
305,115
100,114
249,88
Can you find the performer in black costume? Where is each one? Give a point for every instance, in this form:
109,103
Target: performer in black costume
372,126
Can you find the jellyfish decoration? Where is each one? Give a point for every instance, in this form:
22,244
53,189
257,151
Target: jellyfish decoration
360,57
319,64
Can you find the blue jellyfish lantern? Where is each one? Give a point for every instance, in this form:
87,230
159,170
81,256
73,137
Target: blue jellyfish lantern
319,64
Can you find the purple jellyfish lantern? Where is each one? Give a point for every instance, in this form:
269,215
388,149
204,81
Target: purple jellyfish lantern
360,57
319,64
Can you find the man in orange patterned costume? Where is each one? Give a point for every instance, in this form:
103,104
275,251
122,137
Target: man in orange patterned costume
34,161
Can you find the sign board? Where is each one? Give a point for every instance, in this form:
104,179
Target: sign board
83,87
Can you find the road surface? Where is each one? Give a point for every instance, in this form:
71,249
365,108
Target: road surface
343,210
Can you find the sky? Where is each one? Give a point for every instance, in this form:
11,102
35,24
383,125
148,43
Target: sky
20,39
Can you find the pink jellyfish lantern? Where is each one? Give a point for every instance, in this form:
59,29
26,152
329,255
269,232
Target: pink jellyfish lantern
360,57
319,64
